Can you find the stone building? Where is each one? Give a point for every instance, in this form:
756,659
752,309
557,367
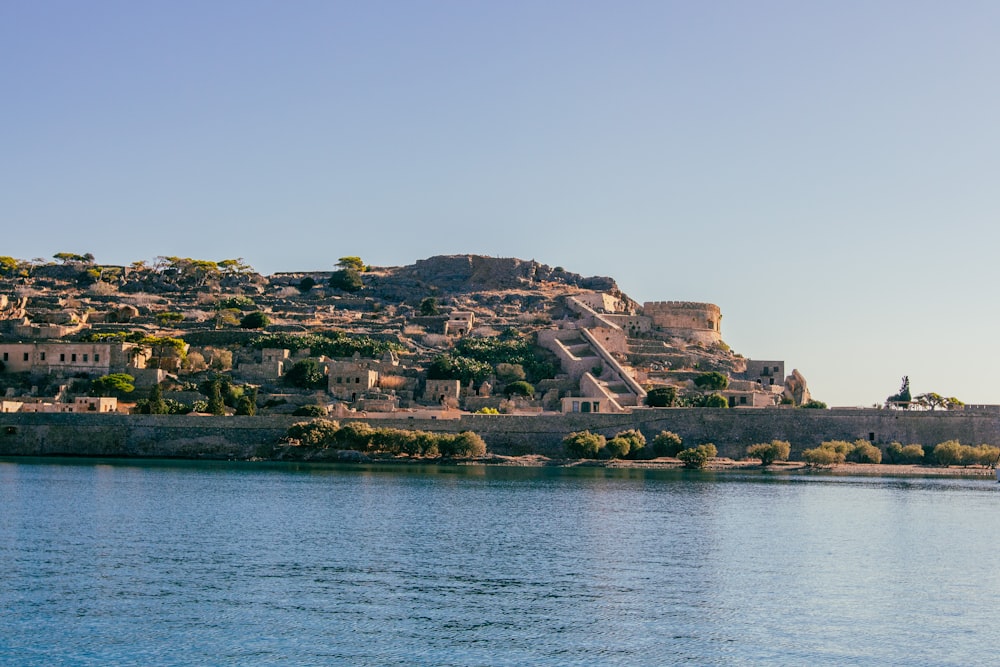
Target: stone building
698,322
66,359
349,380
765,373
442,391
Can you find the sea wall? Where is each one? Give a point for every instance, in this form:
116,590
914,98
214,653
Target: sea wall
730,429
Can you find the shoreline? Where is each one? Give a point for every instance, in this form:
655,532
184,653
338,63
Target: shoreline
731,465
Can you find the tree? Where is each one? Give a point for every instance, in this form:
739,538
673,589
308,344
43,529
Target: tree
667,443
113,384
715,401
351,263
246,406
711,381
169,318
583,444
347,280
305,374
814,405
933,401
897,453
8,266
519,388
901,399
216,406
865,452
306,284
769,452
255,320
429,306
510,372
157,406
698,457
615,448
661,397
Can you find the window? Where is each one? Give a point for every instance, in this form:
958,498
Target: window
25,356
743,400
340,381
771,381
576,406
42,355
775,369
5,356
62,356
85,358
73,357
597,406
97,357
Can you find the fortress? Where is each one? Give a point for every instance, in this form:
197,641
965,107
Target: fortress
698,322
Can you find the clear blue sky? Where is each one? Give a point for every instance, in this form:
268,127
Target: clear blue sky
826,172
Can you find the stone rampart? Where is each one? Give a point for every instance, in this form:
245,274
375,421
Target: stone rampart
700,322
177,436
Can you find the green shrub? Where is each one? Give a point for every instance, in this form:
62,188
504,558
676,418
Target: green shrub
715,401
769,452
661,397
667,443
822,456
636,442
519,388
865,452
310,411
255,320
698,457
314,433
615,448
465,444
583,444
948,453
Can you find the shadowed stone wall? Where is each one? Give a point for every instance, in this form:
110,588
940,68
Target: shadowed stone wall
731,430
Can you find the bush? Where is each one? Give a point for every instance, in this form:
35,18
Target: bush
822,456
348,280
912,454
661,397
697,457
465,444
636,441
948,453
315,433
520,388
715,401
615,448
865,452
306,374
712,380
114,384
667,443
310,411
583,444
814,405
255,320
769,452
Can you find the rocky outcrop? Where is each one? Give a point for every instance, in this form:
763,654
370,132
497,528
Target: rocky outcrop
796,388
459,273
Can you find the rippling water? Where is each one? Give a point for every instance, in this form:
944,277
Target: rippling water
208,564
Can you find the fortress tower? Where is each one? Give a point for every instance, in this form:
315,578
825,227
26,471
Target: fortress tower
699,322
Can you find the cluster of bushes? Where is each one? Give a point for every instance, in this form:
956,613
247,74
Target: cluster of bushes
360,436
833,452
897,453
632,444
769,452
328,343
952,452
587,445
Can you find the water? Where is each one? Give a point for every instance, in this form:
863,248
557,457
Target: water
212,564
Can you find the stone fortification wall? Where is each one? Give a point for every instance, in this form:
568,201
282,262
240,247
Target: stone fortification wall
731,430
700,322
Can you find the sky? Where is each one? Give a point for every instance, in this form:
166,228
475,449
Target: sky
826,172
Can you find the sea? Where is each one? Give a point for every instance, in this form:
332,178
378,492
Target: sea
108,562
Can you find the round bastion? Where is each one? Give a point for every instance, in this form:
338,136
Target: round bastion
697,322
